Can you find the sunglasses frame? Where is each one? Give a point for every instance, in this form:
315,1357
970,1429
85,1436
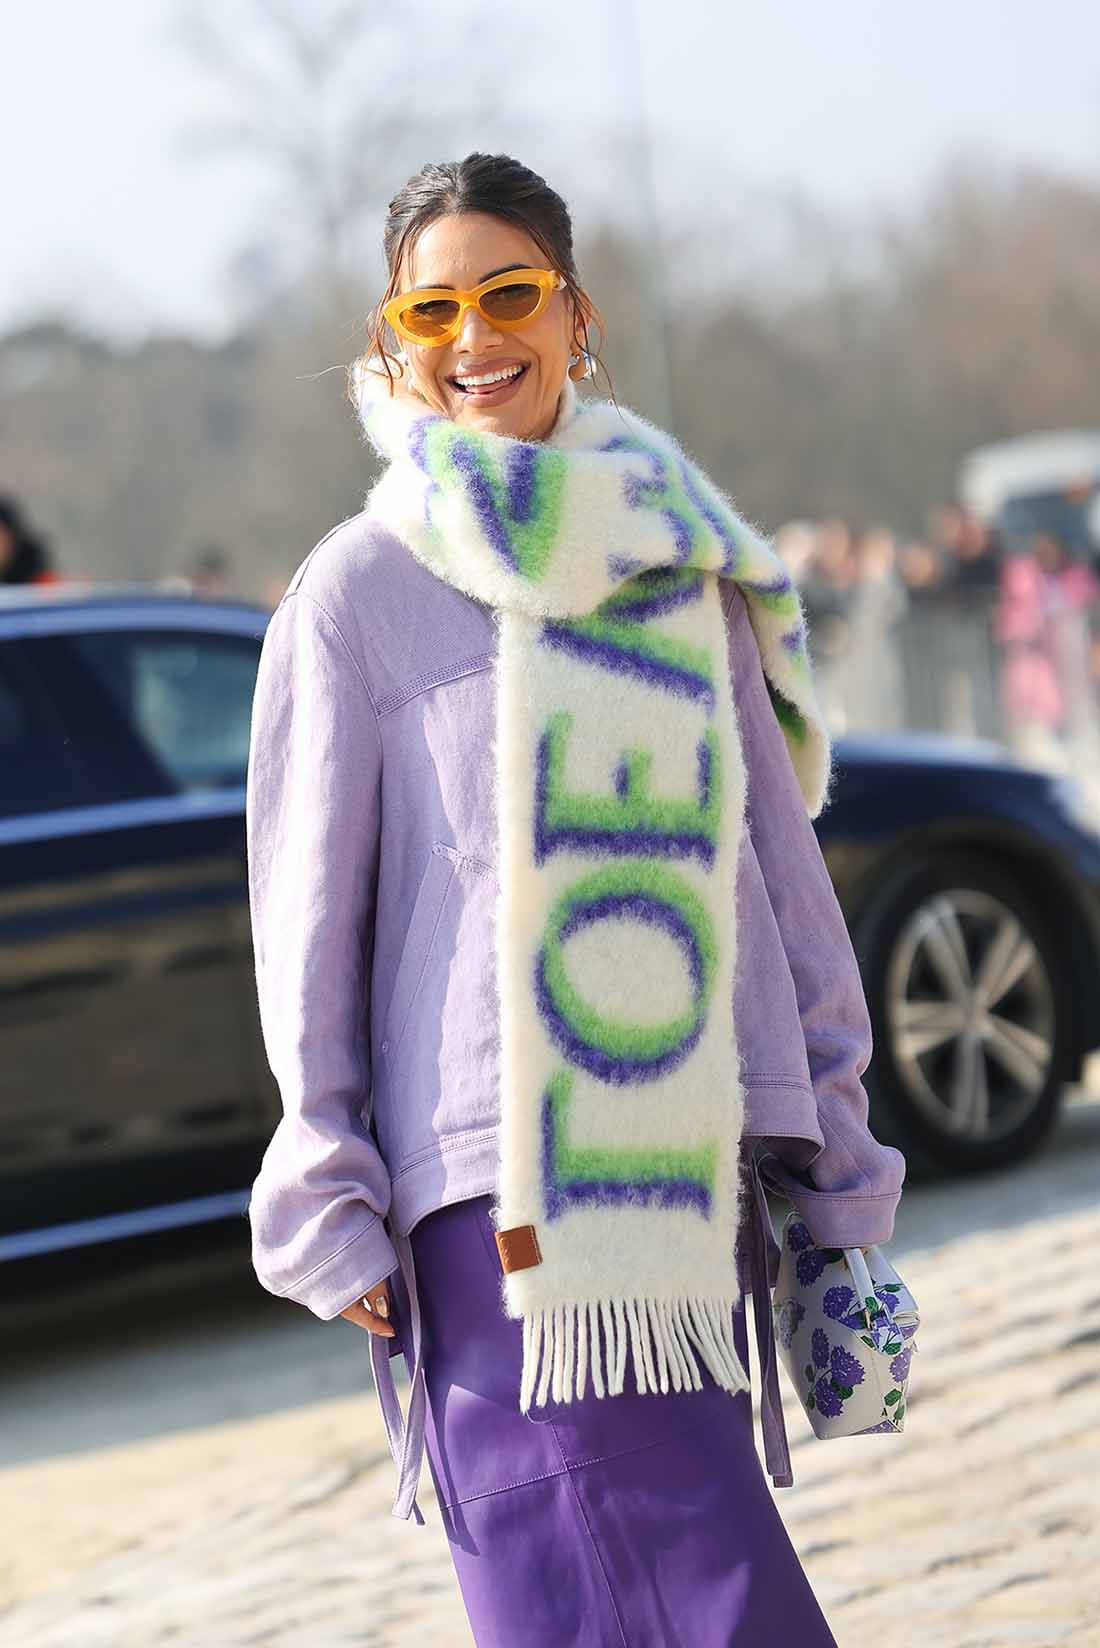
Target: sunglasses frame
548,281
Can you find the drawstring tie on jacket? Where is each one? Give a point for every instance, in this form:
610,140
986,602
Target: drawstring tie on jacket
763,1256
406,1438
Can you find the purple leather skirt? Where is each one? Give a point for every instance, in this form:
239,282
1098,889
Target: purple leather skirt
627,1521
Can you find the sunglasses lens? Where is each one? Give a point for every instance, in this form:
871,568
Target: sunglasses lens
513,302
430,319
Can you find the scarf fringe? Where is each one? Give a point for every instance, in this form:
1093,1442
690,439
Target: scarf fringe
564,1345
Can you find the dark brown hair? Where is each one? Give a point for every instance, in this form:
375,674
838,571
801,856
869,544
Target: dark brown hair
499,186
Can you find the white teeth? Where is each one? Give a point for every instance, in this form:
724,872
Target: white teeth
490,377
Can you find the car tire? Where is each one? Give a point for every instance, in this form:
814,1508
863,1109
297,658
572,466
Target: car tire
934,945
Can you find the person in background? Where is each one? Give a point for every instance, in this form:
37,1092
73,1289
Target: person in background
1025,626
24,557
871,669
921,643
209,571
827,586
968,600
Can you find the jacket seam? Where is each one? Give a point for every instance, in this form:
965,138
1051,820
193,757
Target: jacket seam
397,696
343,642
453,1141
802,1083
321,1263
844,1196
466,860
296,582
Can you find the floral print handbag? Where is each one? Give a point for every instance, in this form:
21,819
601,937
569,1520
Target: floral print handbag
845,1326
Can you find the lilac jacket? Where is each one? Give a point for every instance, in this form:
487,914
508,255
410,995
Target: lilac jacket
371,859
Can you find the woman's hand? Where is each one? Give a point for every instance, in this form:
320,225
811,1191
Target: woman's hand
373,1311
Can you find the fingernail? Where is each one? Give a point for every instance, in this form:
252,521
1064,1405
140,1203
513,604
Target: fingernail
383,1308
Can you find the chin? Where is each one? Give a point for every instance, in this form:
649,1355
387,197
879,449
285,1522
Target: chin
503,422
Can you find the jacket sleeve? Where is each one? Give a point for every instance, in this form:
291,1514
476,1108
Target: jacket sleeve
848,1191
312,821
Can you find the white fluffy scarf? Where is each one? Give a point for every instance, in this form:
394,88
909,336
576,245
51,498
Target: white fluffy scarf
621,793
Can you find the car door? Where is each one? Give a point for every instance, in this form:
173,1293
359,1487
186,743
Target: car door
133,1084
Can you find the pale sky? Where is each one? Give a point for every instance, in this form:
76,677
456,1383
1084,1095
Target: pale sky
108,218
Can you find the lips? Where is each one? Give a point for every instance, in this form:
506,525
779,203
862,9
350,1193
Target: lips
477,390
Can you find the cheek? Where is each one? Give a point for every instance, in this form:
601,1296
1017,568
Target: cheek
553,354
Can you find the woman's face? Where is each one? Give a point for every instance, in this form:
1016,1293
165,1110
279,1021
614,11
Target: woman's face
461,250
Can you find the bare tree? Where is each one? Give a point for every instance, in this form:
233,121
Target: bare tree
334,101
308,96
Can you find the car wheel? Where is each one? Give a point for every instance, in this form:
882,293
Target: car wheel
968,1015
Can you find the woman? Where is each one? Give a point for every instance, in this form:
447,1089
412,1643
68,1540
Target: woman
546,949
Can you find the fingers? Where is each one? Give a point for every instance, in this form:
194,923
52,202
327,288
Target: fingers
373,1311
377,1299
379,1307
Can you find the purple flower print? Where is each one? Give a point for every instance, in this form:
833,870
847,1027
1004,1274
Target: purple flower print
810,1265
828,1400
819,1345
908,1329
837,1301
843,1306
899,1367
798,1237
847,1369
872,1430
787,1318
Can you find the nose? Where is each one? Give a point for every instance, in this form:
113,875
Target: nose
475,331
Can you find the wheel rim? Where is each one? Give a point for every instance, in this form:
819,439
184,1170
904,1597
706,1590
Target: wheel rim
971,1015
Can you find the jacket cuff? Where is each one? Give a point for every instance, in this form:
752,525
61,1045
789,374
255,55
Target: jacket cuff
345,1276
834,1218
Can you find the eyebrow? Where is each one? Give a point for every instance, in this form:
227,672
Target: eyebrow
445,286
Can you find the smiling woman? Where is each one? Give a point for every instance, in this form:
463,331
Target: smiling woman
531,971
476,343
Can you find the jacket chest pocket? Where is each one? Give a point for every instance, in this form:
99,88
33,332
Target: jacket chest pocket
442,1014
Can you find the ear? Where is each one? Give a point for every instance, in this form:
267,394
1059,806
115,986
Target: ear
582,316
579,317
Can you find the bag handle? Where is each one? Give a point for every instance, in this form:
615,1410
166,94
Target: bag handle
865,1287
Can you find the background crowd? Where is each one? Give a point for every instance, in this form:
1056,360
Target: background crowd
956,631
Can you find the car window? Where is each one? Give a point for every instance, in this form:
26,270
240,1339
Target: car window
38,772
186,696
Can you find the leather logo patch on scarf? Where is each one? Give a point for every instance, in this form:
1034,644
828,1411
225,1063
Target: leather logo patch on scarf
518,1247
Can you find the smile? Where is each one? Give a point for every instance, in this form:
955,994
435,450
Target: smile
483,385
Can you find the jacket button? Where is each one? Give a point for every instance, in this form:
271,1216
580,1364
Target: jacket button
385,1046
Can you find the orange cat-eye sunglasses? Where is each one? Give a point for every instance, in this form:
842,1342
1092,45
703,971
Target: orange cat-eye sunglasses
433,315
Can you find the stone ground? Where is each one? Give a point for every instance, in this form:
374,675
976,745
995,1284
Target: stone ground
979,1527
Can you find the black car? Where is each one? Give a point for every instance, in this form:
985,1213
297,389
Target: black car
134,1090
971,888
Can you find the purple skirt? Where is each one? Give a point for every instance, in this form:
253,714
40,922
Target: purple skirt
631,1520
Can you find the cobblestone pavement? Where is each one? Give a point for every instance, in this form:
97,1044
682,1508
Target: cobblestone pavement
977,1528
